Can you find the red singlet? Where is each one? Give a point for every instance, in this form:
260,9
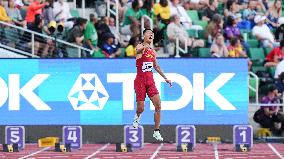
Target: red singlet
144,81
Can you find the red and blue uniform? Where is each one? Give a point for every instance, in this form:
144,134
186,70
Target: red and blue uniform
144,81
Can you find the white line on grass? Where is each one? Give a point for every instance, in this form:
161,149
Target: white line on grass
35,153
98,151
275,151
157,151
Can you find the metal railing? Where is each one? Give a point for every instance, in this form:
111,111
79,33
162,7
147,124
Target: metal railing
114,12
143,23
255,90
25,42
179,49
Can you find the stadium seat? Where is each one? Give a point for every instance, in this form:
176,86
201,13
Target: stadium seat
201,34
252,43
74,13
99,54
193,14
202,23
122,53
257,56
204,52
267,51
255,69
192,33
272,71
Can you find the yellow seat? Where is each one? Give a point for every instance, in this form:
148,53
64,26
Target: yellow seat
263,132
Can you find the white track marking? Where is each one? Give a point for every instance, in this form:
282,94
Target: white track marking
157,151
275,151
216,152
98,151
35,153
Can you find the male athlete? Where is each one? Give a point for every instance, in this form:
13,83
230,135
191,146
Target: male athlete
144,81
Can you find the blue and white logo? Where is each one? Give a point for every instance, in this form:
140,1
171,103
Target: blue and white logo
88,93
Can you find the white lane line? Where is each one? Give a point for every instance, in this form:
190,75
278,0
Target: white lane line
157,151
35,153
215,151
98,151
275,151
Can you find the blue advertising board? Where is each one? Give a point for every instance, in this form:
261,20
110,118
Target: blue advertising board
101,92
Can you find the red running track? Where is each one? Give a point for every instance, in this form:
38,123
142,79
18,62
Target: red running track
150,151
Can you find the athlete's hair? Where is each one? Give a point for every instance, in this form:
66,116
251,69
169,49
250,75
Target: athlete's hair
144,31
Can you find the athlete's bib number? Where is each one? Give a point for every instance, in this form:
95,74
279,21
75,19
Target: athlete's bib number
147,66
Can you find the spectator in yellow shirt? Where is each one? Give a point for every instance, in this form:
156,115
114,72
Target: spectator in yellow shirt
3,14
162,11
130,49
235,48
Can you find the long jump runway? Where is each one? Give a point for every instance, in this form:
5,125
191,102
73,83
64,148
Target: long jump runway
150,151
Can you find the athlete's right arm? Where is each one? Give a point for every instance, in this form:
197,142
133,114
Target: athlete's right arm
140,48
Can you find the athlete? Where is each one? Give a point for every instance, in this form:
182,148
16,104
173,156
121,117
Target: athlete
144,82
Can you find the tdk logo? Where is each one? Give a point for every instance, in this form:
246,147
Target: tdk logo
88,92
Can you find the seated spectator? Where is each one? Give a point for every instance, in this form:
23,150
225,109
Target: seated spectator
130,49
280,82
214,27
275,56
40,46
114,31
102,27
3,14
232,31
76,34
177,9
279,33
162,11
210,10
48,13
33,9
218,48
90,34
61,13
270,116
236,49
110,49
176,30
14,14
262,32
279,69
131,20
250,12
273,14
232,8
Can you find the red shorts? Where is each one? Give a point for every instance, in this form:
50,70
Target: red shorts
143,86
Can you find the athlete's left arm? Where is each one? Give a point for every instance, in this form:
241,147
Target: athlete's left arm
158,69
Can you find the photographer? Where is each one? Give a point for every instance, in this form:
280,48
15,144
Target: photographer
270,116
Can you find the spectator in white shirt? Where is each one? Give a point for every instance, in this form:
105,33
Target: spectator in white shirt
177,9
279,69
61,12
262,32
176,30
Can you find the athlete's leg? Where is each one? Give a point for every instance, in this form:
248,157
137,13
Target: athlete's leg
140,107
157,115
140,91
